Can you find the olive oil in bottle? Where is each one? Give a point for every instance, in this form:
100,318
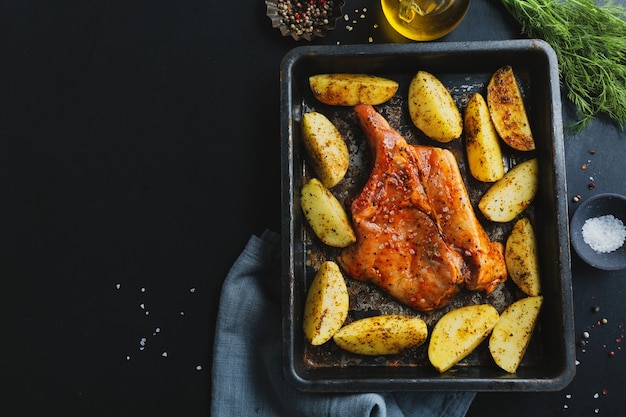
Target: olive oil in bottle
424,20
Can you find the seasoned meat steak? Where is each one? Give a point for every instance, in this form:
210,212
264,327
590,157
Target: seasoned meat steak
418,237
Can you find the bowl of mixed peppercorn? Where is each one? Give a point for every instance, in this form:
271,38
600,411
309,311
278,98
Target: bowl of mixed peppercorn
304,19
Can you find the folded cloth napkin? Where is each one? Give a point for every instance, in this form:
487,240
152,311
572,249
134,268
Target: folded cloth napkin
247,373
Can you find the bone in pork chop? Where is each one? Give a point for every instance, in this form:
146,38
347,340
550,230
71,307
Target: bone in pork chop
417,234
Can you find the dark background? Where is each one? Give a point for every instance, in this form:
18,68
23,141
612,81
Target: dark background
139,150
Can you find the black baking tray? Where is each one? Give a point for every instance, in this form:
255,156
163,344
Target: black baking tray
464,67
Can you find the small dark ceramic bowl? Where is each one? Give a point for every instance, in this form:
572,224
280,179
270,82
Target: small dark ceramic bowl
599,205
274,13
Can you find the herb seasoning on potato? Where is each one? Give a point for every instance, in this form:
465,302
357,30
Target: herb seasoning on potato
326,215
459,332
511,194
327,151
508,113
432,108
511,335
382,335
520,255
352,89
326,305
482,144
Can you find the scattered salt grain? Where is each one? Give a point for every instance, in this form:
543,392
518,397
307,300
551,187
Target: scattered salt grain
164,354
198,367
604,233
118,286
143,289
192,290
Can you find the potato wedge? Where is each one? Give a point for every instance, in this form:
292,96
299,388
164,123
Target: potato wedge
458,333
507,110
352,89
520,255
382,335
482,144
326,305
432,108
511,194
511,335
326,148
326,215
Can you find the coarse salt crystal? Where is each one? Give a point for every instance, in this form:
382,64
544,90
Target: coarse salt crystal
604,233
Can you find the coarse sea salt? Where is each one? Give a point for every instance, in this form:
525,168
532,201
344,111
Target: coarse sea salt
604,233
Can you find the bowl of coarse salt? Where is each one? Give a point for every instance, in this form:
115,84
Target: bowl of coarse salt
598,231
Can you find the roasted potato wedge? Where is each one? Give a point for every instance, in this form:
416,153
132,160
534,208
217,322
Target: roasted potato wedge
382,335
507,110
432,108
352,89
511,335
482,144
326,215
326,148
326,305
458,333
520,255
511,194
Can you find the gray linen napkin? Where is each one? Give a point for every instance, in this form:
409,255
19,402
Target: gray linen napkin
247,373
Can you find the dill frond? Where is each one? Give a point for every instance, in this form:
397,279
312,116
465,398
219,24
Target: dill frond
590,43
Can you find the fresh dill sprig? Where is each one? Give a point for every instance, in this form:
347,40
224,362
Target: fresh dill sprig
590,43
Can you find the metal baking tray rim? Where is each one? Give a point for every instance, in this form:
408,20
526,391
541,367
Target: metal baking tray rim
553,374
